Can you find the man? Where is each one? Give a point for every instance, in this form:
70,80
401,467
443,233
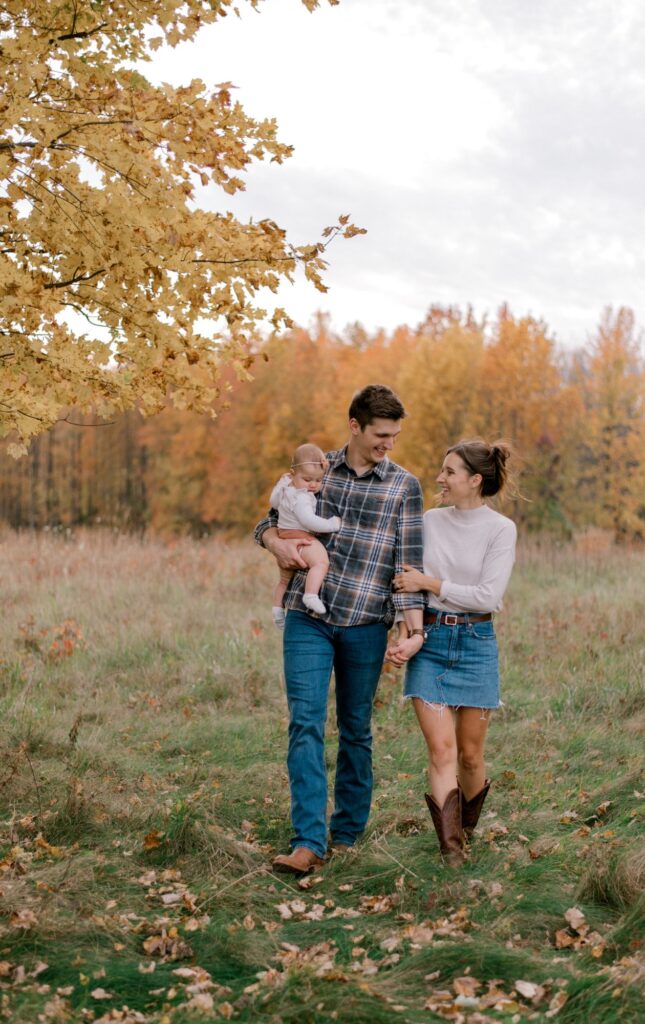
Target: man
381,507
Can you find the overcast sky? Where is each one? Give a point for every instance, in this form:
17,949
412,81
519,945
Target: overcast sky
494,150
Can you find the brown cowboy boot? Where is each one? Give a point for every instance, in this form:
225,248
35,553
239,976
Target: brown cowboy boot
471,809
447,823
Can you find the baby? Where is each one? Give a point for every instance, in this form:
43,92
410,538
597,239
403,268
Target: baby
294,498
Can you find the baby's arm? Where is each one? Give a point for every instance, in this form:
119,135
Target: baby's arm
304,512
278,490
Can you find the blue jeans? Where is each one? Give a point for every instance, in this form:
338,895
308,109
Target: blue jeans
312,648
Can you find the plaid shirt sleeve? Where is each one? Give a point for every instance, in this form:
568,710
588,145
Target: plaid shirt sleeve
265,524
409,543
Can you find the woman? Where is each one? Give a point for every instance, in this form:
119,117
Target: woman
452,675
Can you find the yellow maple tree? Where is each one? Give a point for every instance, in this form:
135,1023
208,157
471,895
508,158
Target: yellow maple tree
98,171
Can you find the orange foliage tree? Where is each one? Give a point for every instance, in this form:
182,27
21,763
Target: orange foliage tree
611,443
576,422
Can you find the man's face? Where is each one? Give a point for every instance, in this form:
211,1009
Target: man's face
375,440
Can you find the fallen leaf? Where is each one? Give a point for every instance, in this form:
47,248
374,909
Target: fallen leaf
100,993
466,986
203,1002
542,846
556,1004
153,839
568,816
507,1005
418,934
23,919
47,848
378,904
563,939
575,918
167,946
526,988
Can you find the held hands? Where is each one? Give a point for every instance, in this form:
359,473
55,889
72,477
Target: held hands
410,581
401,650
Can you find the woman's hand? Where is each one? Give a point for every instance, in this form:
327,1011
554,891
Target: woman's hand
410,581
400,651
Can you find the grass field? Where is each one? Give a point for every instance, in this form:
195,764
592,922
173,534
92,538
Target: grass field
143,791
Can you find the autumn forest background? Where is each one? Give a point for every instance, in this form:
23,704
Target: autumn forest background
575,418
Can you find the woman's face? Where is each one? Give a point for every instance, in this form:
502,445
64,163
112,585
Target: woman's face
457,483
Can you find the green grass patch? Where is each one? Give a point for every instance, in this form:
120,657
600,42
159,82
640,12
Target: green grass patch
143,792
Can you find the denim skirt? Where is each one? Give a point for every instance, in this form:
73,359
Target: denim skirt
457,666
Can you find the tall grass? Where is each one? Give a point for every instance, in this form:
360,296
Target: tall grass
143,792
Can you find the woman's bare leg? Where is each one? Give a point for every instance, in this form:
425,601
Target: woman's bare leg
471,729
438,727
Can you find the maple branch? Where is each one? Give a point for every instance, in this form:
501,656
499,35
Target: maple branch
73,423
79,35
18,412
254,259
55,144
18,145
88,124
75,280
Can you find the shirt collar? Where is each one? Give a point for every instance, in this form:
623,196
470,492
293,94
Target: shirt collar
339,458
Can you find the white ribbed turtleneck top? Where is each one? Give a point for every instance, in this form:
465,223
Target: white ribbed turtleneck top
472,551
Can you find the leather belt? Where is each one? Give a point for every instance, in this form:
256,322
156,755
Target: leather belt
454,619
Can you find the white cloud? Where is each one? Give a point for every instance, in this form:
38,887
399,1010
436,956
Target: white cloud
494,151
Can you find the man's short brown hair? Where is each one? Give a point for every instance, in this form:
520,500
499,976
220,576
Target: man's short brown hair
376,401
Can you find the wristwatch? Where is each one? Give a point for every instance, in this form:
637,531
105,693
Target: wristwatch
418,632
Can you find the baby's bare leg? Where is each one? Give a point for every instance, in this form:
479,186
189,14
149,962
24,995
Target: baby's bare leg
316,558
281,587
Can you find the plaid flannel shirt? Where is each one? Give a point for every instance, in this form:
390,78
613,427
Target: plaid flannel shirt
382,529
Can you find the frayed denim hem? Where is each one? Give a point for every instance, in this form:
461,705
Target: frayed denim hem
440,707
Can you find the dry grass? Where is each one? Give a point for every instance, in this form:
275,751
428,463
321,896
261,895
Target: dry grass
143,789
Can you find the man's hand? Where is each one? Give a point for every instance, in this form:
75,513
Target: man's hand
286,552
400,651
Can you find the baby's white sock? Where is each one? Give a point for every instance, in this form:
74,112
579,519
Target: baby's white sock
279,616
313,602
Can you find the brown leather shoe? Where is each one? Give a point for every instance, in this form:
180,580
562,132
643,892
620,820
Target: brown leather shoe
340,848
300,861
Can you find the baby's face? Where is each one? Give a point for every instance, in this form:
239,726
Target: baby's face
308,477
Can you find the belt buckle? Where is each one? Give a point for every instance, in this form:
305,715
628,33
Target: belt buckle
450,620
